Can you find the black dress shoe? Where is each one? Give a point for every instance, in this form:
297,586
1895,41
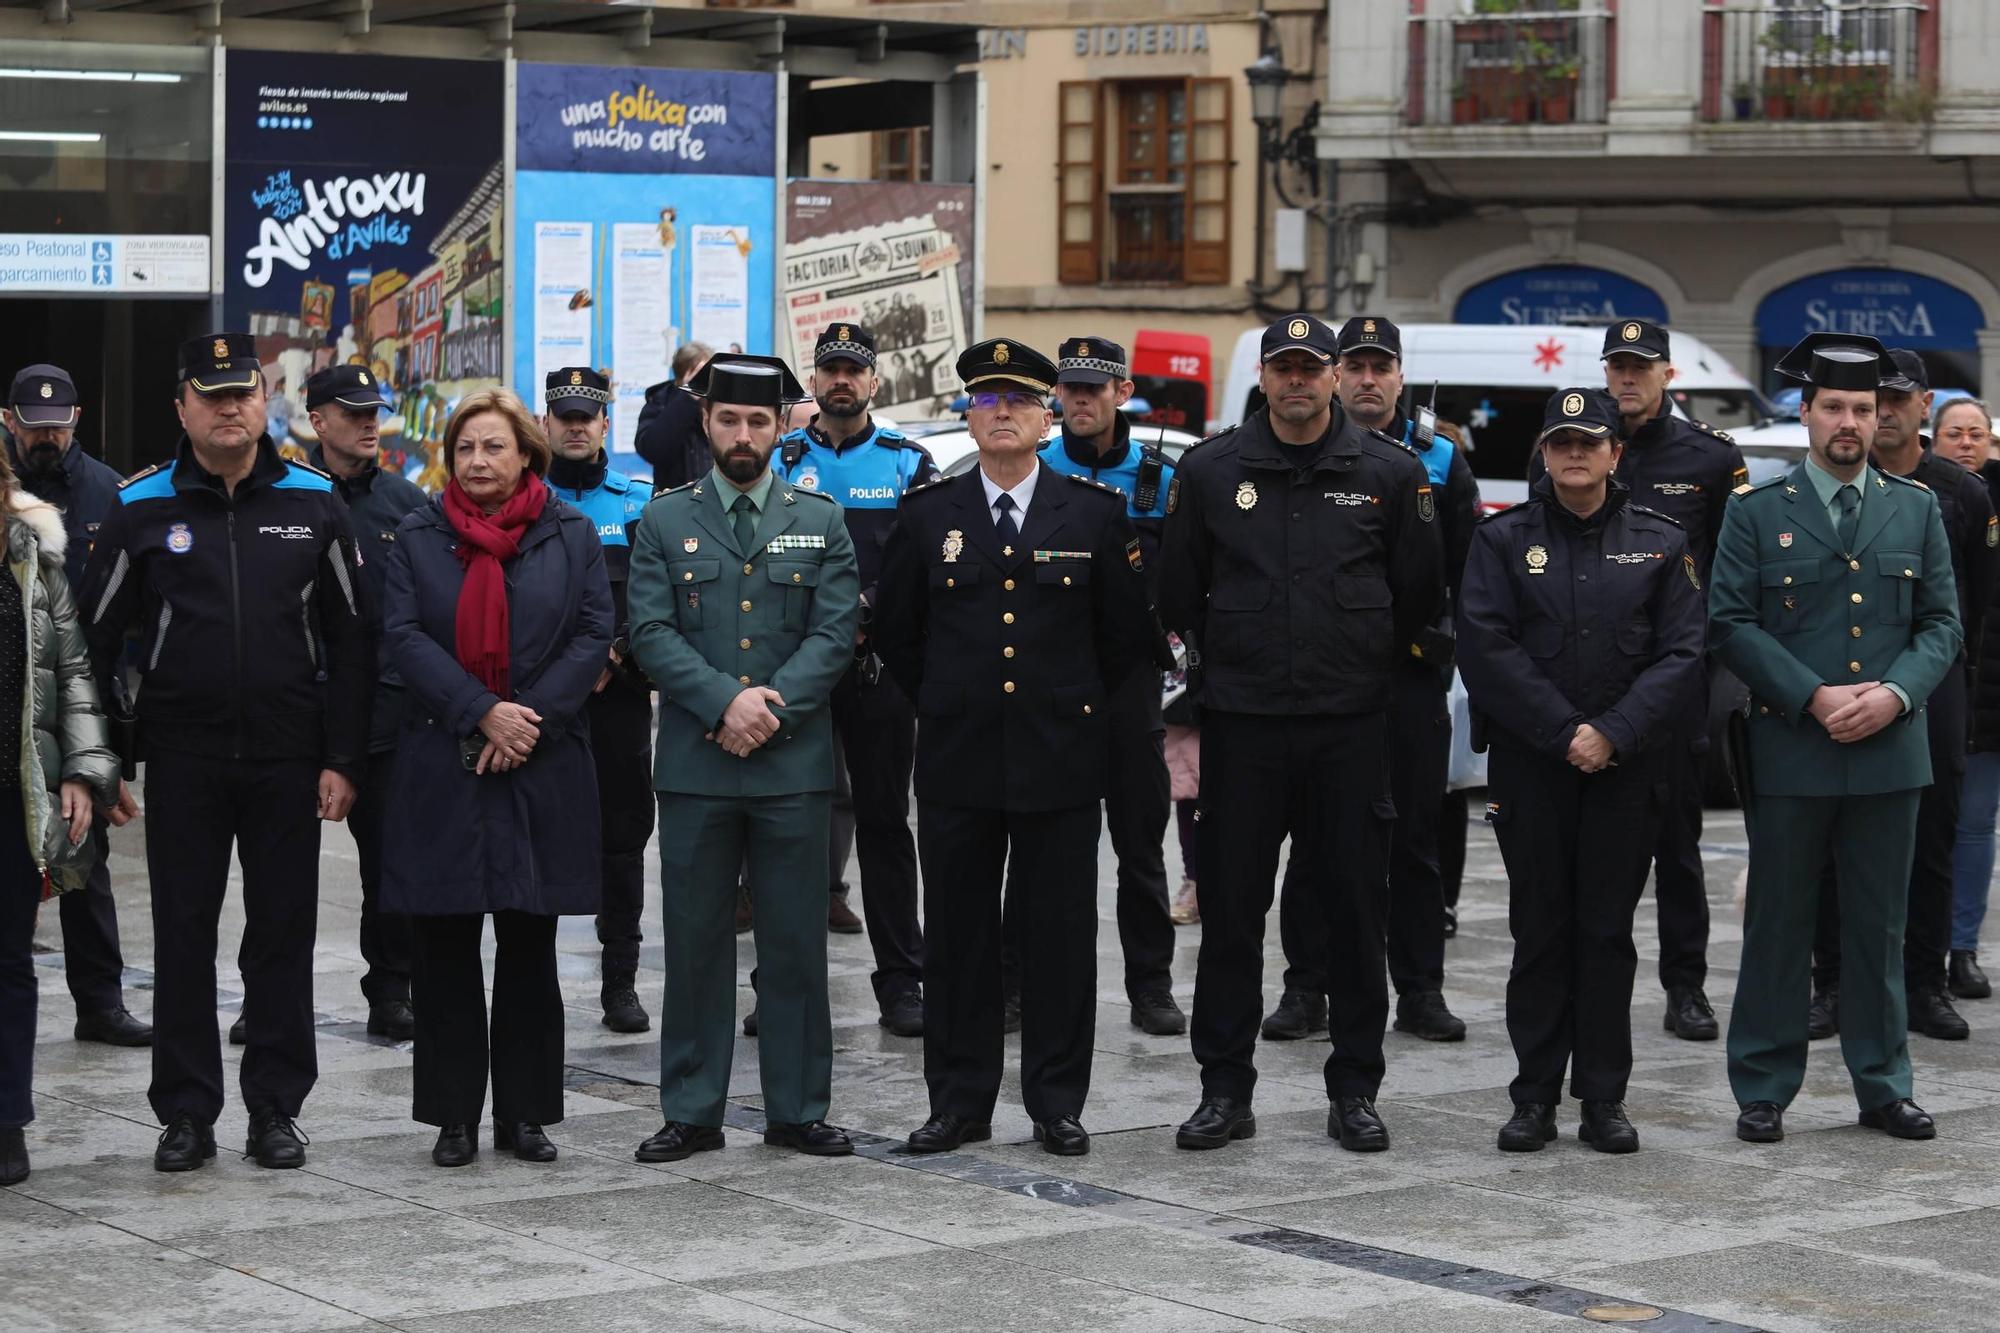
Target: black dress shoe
1532,1125
1215,1122
750,1021
1353,1121
1299,1014
1967,982
1155,1014
1902,1119
1932,1015
1823,1019
1761,1122
457,1145
1063,1136
676,1142
903,1014
184,1145
1010,1012
13,1156
239,1033
113,1027
815,1138
393,1019
1689,1015
946,1132
1605,1128
622,1010
1425,1014
275,1142
524,1139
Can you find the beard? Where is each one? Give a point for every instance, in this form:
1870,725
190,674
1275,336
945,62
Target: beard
42,458
1846,450
841,404
741,466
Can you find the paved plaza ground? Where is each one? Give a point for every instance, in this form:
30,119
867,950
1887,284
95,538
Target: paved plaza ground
1838,1228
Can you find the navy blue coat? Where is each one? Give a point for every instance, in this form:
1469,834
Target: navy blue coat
525,840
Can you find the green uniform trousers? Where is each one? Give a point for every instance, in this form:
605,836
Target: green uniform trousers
704,842
1870,840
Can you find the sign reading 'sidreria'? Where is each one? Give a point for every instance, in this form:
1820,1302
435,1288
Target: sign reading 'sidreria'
362,223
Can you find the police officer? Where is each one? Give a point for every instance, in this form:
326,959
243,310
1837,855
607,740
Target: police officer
344,404
576,399
744,600
239,573
1833,601
42,415
1013,604
1370,389
1902,407
1096,442
1301,560
1580,634
848,457
1683,469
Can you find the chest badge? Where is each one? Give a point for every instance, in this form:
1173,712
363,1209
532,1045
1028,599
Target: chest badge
179,540
1538,559
690,544
807,480
954,545
1246,496
1785,540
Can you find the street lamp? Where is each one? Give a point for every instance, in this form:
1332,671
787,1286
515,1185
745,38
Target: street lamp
1267,79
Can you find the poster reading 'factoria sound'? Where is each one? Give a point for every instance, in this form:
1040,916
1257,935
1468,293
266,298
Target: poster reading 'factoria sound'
362,223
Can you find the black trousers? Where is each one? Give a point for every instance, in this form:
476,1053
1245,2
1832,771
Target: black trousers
1137,804
385,936
1323,780
1576,847
1927,929
198,809
621,744
1680,891
92,963
20,896
1419,765
1454,821
453,1042
878,736
966,853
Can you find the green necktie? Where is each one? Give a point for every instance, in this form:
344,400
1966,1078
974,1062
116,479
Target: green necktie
746,523
1849,500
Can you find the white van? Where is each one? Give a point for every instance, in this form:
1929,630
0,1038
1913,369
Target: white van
1495,379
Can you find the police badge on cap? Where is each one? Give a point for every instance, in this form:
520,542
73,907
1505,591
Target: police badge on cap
43,395
350,386
1371,333
1636,337
1003,363
845,342
1301,333
576,389
221,363
1090,360
1591,411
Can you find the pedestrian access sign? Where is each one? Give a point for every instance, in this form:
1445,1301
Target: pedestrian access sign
104,265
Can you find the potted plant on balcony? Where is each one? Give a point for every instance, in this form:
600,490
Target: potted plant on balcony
1556,95
1464,106
1777,102
1744,95
1813,100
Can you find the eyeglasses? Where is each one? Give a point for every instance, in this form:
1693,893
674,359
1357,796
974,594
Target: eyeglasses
1017,400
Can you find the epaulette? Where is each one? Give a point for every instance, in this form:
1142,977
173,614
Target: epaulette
144,473
791,491
1907,481
1653,513
308,467
1222,434
1707,429
1091,482
1765,484
671,490
922,486
647,482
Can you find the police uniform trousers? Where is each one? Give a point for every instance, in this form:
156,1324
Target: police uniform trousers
20,897
1576,846
1868,840
705,842
385,936
1454,823
268,810
1323,780
92,963
458,1044
966,852
1137,805
621,729
1419,766
1680,891
1927,927
877,728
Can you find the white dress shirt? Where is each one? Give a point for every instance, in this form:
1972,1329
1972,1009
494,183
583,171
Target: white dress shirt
1023,493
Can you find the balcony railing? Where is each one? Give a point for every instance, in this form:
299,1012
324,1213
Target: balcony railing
1525,68
1840,62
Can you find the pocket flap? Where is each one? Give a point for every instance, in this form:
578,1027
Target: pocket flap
704,570
954,576
1899,564
794,573
1788,573
1077,700
1361,591
1066,574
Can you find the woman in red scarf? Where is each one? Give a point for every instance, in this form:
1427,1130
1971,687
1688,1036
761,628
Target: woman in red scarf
498,619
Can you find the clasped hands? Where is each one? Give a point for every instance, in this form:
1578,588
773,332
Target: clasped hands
1590,750
511,731
1854,712
748,721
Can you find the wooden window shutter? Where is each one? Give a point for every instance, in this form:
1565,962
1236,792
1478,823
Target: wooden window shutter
1079,185
1208,182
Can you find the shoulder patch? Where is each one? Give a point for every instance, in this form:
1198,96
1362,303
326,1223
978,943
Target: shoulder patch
1654,513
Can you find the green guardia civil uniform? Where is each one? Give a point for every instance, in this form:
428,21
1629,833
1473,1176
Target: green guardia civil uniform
712,614
1812,587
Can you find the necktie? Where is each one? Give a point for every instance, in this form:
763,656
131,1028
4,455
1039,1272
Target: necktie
1004,525
746,523
1849,501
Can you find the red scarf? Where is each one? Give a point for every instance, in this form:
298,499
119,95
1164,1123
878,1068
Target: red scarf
484,542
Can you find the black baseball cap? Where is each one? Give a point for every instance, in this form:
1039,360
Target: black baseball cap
221,363
1088,359
1911,376
747,381
1592,411
576,389
350,386
845,342
1302,332
1366,333
43,395
1838,361
1003,361
1637,337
